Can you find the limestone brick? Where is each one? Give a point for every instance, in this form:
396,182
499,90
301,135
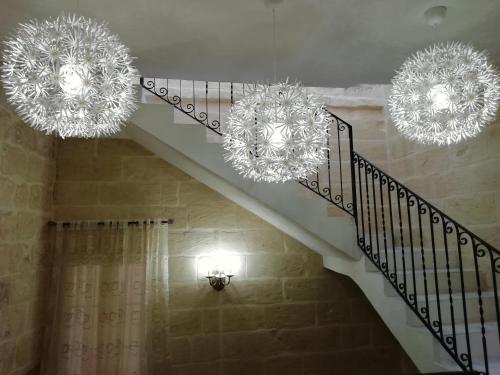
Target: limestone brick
185,322
22,197
337,312
243,318
130,193
210,320
222,216
253,292
205,348
21,135
151,169
242,366
290,315
71,147
83,168
170,193
194,192
15,162
7,355
191,243
355,336
180,349
76,193
7,192
256,344
252,241
271,265
311,339
283,364
206,368
182,268
187,296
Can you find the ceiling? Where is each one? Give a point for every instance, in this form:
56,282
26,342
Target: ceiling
335,43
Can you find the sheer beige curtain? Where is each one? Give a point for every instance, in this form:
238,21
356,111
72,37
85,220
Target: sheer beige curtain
107,304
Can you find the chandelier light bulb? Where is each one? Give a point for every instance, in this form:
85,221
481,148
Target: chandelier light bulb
277,133
444,94
277,138
440,97
69,76
72,78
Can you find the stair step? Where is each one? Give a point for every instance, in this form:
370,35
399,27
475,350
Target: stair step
472,308
453,259
469,276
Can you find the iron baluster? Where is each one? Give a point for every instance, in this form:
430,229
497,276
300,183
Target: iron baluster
467,358
382,178
422,211
410,202
446,231
367,172
340,164
390,188
436,323
374,175
361,239
478,252
353,157
400,194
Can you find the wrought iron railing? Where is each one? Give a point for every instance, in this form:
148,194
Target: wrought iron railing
446,274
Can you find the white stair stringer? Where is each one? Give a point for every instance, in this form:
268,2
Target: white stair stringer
153,127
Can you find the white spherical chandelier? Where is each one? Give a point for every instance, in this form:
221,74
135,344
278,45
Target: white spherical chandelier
69,76
444,94
277,133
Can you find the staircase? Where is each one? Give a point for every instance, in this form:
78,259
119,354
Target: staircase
433,282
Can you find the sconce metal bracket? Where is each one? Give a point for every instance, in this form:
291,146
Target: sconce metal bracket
218,283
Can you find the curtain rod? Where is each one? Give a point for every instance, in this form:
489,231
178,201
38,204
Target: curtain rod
133,222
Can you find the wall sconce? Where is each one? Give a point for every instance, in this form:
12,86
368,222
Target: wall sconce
219,269
219,281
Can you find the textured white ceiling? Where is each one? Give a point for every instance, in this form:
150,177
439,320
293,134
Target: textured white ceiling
336,43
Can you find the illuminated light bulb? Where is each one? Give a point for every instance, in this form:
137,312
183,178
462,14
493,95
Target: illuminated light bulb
440,97
277,138
72,78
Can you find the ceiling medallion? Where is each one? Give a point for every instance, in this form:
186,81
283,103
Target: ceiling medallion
69,76
444,94
277,133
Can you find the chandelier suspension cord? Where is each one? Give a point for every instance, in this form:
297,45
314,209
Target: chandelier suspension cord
274,45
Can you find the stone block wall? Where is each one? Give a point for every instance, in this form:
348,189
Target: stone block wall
282,314
27,172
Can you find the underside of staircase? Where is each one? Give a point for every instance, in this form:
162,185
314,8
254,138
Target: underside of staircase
433,282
